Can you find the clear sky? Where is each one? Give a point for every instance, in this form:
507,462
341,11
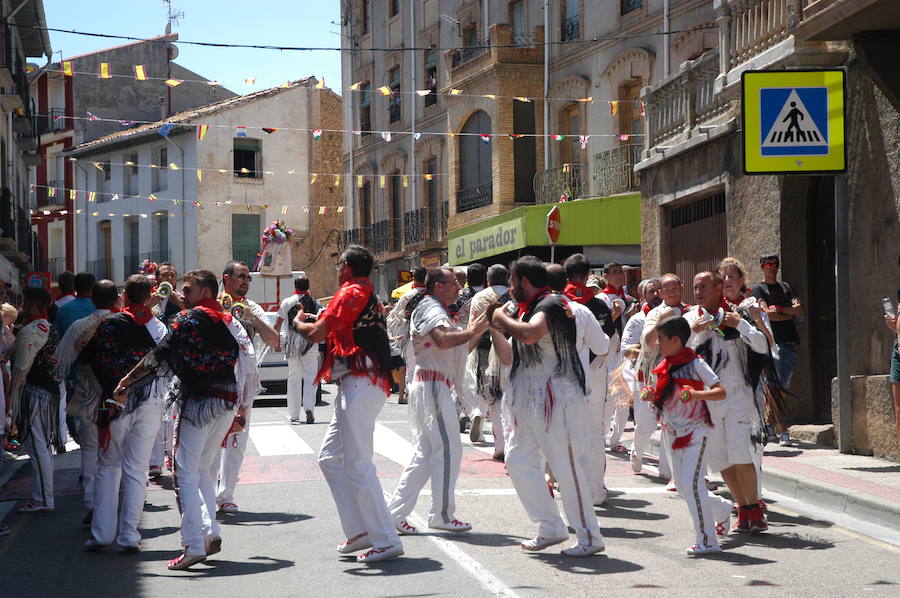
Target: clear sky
275,22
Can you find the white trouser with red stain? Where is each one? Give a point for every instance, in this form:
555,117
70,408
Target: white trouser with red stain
346,461
231,460
689,466
37,447
301,392
437,453
530,446
124,462
197,461
88,435
597,443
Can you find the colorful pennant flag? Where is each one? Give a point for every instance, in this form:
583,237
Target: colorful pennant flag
173,166
312,178
516,136
114,197
199,175
67,69
269,130
97,165
405,179
613,107
521,99
416,136
455,92
174,82
385,90
51,192
91,116
623,137
201,131
584,140
557,137
104,70
197,203
92,196
642,109
337,180
250,80
213,83
317,134
340,209
165,128
152,197
382,181
73,194
140,73
240,131
588,99
284,210
356,85
490,96
320,84
423,92
428,177
321,209
485,138
359,181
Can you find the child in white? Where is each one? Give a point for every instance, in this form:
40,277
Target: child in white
684,384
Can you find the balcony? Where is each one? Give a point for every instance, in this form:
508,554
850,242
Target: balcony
753,26
614,171
245,253
562,183
500,47
677,105
386,236
132,263
54,265
464,55
474,197
53,121
570,29
414,227
102,268
356,236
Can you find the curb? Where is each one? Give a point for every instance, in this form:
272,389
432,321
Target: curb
854,503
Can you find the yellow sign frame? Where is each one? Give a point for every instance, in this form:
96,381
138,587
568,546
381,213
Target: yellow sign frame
752,84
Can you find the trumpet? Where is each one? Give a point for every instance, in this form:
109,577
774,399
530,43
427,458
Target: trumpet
226,301
164,290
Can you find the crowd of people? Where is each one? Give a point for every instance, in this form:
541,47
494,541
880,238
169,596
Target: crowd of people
555,356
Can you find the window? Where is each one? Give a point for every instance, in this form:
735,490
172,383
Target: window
245,233
629,5
631,122
475,175
470,36
431,76
396,204
517,20
131,250
363,17
432,201
161,237
160,170
394,104
393,8
130,175
247,158
365,205
571,20
524,151
365,109
103,175
697,235
570,124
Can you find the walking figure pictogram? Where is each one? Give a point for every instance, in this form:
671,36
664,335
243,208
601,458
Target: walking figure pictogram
793,115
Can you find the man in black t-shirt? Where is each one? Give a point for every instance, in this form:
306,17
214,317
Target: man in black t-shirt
781,304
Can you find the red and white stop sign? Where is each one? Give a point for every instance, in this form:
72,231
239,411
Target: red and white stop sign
553,224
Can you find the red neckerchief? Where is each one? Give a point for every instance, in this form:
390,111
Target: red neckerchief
213,309
141,314
578,292
645,308
525,307
418,286
301,293
664,369
611,291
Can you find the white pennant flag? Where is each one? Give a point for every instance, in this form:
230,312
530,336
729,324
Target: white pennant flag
584,140
386,135
416,136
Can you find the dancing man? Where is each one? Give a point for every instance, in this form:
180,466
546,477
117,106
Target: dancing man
211,354
545,406
358,358
438,450
302,356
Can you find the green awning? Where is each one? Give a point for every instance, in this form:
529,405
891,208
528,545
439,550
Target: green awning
599,221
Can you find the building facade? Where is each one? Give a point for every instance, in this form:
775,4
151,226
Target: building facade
64,105
163,193
698,205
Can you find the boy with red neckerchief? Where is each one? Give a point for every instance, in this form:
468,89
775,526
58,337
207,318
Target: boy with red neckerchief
684,384
358,358
210,354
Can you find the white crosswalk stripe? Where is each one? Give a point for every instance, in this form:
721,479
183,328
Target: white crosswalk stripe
272,439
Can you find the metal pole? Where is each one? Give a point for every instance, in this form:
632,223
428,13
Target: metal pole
546,84
842,310
413,105
666,44
552,253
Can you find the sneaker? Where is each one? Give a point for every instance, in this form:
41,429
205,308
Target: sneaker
637,461
619,448
295,421
310,418
228,507
155,471
381,554
213,545
671,487
33,507
743,525
405,529
402,399
758,526
763,506
698,550
463,424
355,544
92,545
723,527
87,519
540,543
583,550
475,434
785,439
185,560
453,526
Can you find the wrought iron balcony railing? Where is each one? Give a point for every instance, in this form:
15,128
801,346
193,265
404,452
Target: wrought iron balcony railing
562,183
474,197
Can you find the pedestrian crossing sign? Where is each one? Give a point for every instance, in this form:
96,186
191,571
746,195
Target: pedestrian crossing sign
793,121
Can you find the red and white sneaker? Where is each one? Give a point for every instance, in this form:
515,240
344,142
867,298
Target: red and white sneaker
355,544
405,529
540,543
185,560
228,507
758,526
453,526
33,507
698,550
763,506
620,448
381,554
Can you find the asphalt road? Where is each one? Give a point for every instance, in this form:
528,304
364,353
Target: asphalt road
282,542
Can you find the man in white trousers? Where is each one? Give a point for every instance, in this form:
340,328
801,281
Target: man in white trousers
546,404
210,354
82,392
34,396
236,282
127,429
437,451
358,358
398,325
302,356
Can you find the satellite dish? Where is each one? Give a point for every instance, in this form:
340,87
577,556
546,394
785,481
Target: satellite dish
173,51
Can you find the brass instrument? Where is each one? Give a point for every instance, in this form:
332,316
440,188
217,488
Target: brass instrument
164,290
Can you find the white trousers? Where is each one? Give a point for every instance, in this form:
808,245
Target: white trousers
644,424
438,454
346,462
196,464
706,508
531,445
37,446
232,458
497,428
124,462
63,426
300,388
598,427
88,434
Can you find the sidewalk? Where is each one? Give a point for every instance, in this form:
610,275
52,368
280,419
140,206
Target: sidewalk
867,488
